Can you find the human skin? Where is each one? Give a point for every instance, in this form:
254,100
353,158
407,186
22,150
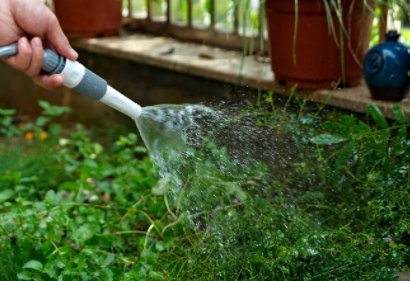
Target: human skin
31,26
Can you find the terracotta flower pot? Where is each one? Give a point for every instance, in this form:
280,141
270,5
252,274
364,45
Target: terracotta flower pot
317,61
89,18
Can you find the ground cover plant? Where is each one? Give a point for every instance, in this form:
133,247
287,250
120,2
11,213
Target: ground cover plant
339,212
77,222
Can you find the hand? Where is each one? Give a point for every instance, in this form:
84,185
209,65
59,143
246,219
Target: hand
31,25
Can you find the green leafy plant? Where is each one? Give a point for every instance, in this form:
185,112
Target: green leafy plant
42,124
6,126
339,212
79,226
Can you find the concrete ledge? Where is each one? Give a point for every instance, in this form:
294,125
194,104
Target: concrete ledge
403,276
224,66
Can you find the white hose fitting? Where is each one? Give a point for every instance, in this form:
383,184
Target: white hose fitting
73,73
91,85
121,103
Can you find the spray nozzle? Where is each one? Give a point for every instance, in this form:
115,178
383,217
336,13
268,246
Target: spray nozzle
83,81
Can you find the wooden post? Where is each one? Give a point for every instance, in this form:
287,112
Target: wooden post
262,26
261,18
129,8
213,20
383,22
149,10
168,12
236,20
189,13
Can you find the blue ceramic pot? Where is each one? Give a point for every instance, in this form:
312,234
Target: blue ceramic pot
385,69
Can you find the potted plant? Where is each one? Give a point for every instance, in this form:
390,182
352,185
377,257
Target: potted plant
90,18
318,43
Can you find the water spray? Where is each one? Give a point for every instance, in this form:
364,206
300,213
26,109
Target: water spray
83,81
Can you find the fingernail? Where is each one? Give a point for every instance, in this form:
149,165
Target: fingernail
37,42
74,53
24,41
60,80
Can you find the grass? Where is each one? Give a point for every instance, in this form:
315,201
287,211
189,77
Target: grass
229,221
12,259
24,160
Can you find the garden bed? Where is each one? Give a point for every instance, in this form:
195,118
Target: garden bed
86,211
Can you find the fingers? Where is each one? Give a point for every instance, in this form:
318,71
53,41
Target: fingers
30,56
59,41
36,20
36,59
30,60
49,82
23,59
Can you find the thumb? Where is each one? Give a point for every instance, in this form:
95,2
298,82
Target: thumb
58,40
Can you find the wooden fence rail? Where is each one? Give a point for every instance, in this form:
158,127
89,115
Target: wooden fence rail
231,40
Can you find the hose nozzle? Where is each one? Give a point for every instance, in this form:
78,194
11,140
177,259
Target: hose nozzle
83,81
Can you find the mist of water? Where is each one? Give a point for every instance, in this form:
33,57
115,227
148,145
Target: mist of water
245,191
208,152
